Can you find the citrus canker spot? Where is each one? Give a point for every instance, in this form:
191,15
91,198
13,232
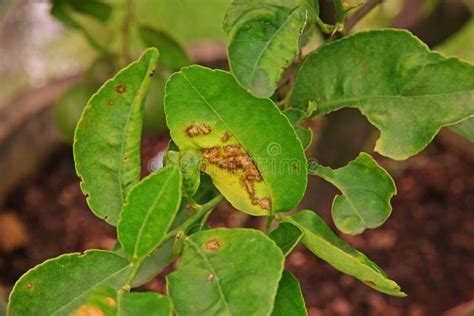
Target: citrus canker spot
121,88
111,302
213,245
29,285
196,130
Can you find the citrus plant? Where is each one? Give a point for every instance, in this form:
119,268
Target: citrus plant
232,140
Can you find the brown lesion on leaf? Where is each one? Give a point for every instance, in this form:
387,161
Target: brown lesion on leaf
111,302
29,286
368,282
233,159
121,88
213,244
194,130
88,310
225,138
210,277
152,73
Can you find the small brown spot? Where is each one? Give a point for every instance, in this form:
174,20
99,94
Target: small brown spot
152,73
111,102
295,166
210,277
190,207
29,285
192,130
204,129
213,244
125,158
368,282
111,302
121,88
225,138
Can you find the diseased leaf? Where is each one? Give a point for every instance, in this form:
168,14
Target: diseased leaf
149,212
250,149
59,286
289,299
108,136
286,236
366,192
147,303
226,272
172,53
326,245
263,40
465,129
405,90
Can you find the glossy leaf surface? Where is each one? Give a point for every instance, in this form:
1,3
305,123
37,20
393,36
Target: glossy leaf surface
263,40
250,149
149,212
226,272
289,299
404,89
60,285
366,192
108,136
286,236
326,245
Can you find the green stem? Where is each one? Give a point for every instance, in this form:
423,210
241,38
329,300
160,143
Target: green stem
124,53
202,210
268,224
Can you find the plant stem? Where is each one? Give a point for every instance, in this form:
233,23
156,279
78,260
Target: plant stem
360,14
268,225
202,210
127,20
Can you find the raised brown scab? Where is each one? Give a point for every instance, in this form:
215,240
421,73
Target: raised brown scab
225,138
121,88
232,158
368,282
29,285
152,73
192,130
111,302
88,310
213,244
204,129
210,277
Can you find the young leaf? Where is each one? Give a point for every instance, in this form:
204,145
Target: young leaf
190,164
60,285
366,192
326,245
286,236
465,129
148,303
289,299
250,149
263,40
405,90
172,54
226,272
108,136
149,212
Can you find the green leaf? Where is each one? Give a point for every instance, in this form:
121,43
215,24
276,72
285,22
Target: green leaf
326,245
94,8
149,212
148,303
296,116
108,136
465,129
366,192
60,285
102,300
250,149
289,299
190,164
172,53
404,89
226,272
263,40
286,236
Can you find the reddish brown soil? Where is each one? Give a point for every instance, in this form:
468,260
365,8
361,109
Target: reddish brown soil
427,245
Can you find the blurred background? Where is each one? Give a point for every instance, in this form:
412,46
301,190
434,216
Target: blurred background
55,54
